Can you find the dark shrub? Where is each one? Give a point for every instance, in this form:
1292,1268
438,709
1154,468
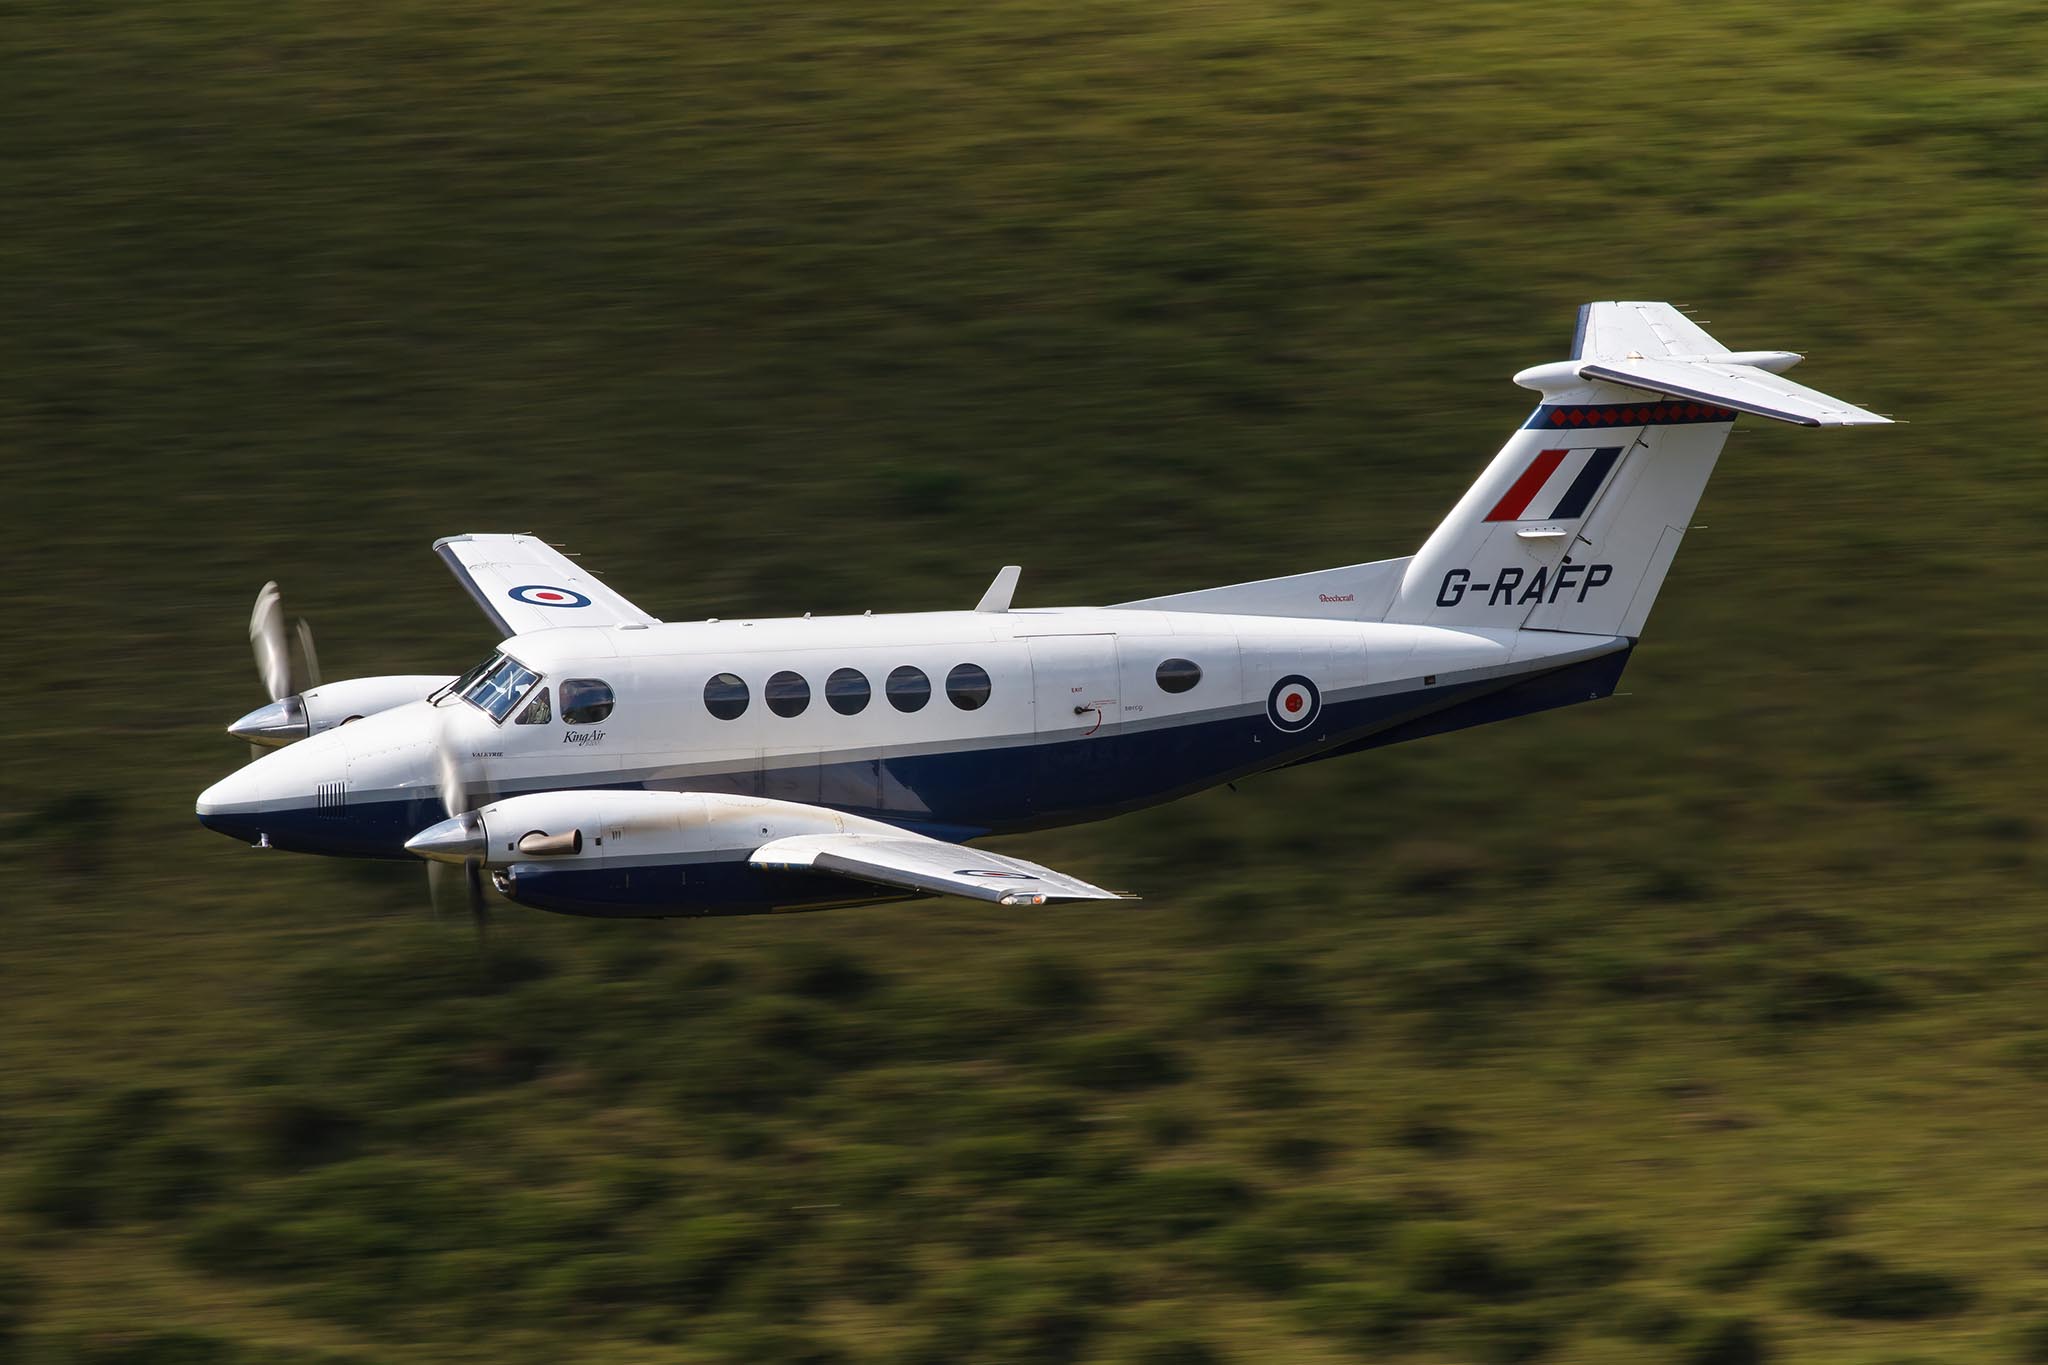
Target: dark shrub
1796,1221
231,1242
1650,1320
1256,1256
822,971
1431,1130
1369,1317
1177,1202
1322,1225
17,1302
1300,1153
1116,1061
2030,1341
1262,992
162,1177
1168,1126
1268,1089
1850,1284
1581,1259
1038,1328
1444,1258
1722,1340
1741,1259
696,1260
997,1159
1053,985
1175,1350
148,1348
294,1131
1820,996
1504,1335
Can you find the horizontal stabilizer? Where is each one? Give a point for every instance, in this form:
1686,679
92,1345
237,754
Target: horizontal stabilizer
917,863
1746,388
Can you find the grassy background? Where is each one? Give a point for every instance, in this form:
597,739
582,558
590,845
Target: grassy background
1703,1025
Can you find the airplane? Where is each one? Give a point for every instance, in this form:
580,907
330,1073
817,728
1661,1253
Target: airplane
602,762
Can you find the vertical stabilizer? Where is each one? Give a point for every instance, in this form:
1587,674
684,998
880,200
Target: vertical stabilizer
1575,522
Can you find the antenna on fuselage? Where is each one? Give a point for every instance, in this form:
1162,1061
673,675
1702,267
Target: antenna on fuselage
999,593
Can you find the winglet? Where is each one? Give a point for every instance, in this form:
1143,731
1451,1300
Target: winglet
999,593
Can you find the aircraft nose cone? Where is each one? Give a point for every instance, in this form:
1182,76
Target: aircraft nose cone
274,725
237,789
451,841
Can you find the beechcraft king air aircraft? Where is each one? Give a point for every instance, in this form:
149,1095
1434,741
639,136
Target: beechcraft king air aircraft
603,762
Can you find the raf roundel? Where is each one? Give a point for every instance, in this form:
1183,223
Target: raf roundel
1294,703
546,595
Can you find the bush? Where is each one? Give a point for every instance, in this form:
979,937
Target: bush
1369,1317
1444,1258
1256,1256
998,1159
1582,1259
821,971
1821,996
695,1261
1262,992
1331,1225
1498,1335
1175,1350
1054,986
1650,1320
294,1131
2030,1341
17,1301
1116,1061
1431,1130
1850,1284
146,1348
1796,1221
1722,1340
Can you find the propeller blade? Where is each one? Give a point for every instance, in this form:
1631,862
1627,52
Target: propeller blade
307,658
453,885
266,638
479,910
440,887
454,799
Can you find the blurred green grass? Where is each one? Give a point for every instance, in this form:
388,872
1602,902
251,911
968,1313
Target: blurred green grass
773,309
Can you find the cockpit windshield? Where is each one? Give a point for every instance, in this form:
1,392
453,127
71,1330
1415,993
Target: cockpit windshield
496,685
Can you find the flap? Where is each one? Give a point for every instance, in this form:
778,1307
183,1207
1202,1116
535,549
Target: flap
917,863
525,584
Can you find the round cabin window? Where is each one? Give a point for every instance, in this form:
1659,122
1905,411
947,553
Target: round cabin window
847,691
909,689
967,686
787,694
725,696
1179,675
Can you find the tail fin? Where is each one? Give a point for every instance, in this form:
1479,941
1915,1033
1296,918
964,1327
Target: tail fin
1575,522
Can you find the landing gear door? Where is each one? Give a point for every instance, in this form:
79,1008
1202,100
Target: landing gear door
1074,688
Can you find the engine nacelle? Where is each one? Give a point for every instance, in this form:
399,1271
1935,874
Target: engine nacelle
646,853
337,703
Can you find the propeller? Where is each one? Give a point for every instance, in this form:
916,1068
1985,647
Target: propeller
267,638
285,718
442,885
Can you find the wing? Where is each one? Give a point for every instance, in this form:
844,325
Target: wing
526,584
916,863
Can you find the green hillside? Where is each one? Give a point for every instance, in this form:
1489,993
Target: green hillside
1702,1025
